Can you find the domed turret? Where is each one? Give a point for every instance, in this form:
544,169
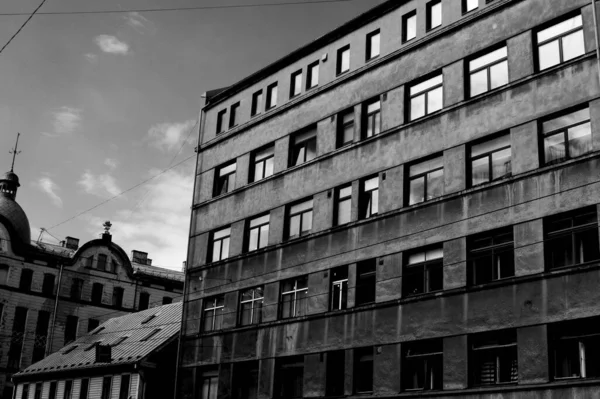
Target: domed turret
9,185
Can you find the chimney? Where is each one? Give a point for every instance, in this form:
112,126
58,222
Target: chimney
71,243
139,257
184,266
103,353
149,262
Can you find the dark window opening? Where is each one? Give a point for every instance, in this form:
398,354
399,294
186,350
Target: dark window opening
491,256
106,387
296,84
117,297
424,271
233,115
41,336
336,373
167,300
304,147
339,288
97,290
245,375
576,348
76,288
48,284
289,377
366,281
343,205
93,324
71,329
224,179
144,301
345,128
102,260
343,60
17,338
363,370
124,388
85,385
494,358
271,96
369,198
422,366
25,282
257,99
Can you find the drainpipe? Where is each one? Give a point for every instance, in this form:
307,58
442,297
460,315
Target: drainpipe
49,345
594,13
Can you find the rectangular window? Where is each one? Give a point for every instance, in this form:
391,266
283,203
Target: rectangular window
372,118
38,391
221,121
494,358
424,271
363,370
469,5
48,285
41,336
225,179
97,290
422,366
257,99
304,146
71,329
490,160
571,238
68,392
25,281
220,244
345,128
209,382
212,317
117,297
434,14
76,287
339,288
296,84
560,42
289,377
258,233
343,60
567,136
245,375
293,297
366,281
409,26
369,197
102,262
124,388
576,348
491,256
106,387
251,303
300,219
85,385
343,205
144,301
426,180
373,45
25,394
335,374
233,115
271,96
312,75
426,97
488,71
263,163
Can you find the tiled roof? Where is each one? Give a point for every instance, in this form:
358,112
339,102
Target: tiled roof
81,353
158,271
53,249
13,212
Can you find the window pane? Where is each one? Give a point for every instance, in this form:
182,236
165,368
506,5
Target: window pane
411,27
488,58
554,147
227,169
374,202
566,120
417,107
222,233
264,236
295,226
302,206
314,76
375,45
549,55
269,167
437,80
435,184
216,251
344,209
580,140
435,277
311,150
413,280
490,145
573,45
501,163
225,248
479,82
298,83
300,155
417,257
262,154
345,61
435,253
435,100
436,15
417,187
471,5
253,240
345,192
372,183
258,171
559,28
425,166
306,222
373,107
499,73
260,220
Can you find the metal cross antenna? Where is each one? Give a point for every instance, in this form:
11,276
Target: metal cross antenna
14,152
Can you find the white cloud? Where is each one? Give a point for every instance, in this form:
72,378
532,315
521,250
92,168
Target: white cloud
111,163
103,185
110,44
91,57
136,21
169,136
159,224
65,120
50,188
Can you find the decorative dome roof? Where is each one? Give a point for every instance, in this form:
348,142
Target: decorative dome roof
14,214
11,176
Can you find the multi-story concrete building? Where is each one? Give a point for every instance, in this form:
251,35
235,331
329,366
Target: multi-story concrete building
52,294
405,207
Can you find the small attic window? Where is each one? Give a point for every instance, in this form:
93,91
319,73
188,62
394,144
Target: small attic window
150,335
93,345
150,318
118,341
70,349
98,330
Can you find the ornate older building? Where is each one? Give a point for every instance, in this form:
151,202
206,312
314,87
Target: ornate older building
405,207
52,294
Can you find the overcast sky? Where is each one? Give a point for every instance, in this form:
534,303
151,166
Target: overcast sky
106,101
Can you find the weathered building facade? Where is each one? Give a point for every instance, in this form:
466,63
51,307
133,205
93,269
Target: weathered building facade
406,207
52,294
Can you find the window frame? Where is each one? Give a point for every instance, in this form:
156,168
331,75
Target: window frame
339,199
300,213
372,121
486,67
426,92
221,115
368,198
286,368
271,99
489,155
97,293
233,115
294,294
498,246
224,181
428,352
342,125
425,268
341,282
312,73
226,231
340,59
254,309
559,38
506,341
218,311
258,227
429,15
265,154
361,355
296,84
48,284
426,180
212,378
581,331
76,289
26,279
364,285
117,297
465,7
564,130
369,56
405,19
257,98
303,140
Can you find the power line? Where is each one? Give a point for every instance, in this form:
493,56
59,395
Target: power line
178,8
22,26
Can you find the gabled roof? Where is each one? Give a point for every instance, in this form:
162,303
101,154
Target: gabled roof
81,353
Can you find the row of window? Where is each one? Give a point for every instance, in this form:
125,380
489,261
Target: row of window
486,72
107,387
570,239
492,360
563,137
